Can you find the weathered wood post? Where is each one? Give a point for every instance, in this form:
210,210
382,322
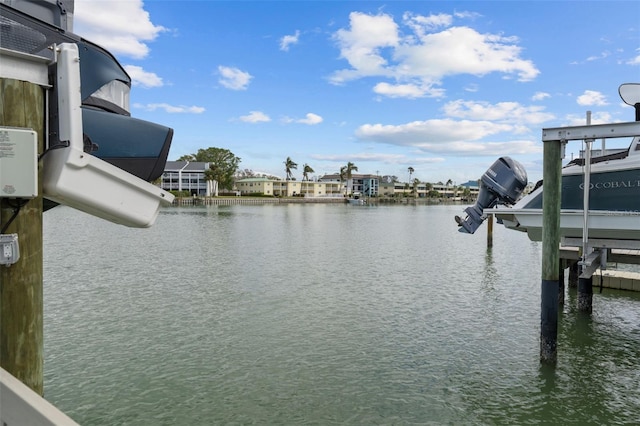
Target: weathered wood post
22,104
552,174
585,294
490,231
574,273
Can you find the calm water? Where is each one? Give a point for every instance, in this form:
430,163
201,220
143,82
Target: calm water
320,314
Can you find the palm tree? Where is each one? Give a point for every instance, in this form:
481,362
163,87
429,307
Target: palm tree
416,182
305,172
343,175
429,188
449,182
289,165
411,170
306,169
210,175
350,167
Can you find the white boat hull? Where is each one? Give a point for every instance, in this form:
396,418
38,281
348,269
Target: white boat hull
603,224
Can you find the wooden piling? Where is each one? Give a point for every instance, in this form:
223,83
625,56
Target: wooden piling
22,104
552,174
585,294
490,231
574,273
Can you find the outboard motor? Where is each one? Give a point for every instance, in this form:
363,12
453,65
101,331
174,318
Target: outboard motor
503,182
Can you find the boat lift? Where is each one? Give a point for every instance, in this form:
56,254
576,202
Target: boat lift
595,250
555,140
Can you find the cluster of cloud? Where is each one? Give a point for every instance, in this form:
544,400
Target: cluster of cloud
233,78
288,40
407,57
171,109
414,62
123,30
260,117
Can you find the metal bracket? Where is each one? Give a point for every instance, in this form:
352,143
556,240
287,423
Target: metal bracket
594,260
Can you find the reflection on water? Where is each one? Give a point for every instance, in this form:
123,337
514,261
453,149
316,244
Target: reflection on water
322,314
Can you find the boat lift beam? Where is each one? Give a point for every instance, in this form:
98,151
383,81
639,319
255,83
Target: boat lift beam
595,131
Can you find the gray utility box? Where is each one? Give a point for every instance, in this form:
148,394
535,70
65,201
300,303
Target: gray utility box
18,163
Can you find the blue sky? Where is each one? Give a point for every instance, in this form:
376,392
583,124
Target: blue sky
443,87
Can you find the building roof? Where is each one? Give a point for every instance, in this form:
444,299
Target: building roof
185,166
470,184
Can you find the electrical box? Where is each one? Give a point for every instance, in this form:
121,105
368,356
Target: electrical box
9,249
18,163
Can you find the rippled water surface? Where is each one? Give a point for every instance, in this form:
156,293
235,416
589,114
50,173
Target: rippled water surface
320,314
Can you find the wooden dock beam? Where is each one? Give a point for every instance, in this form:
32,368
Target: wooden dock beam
22,104
552,174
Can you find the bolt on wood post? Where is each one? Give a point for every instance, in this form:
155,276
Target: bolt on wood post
22,104
552,175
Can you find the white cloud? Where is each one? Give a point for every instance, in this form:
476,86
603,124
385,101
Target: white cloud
123,30
513,147
600,117
310,119
455,137
233,78
410,91
602,55
422,56
635,60
171,109
378,157
255,117
418,133
140,77
288,40
422,24
539,96
591,98
360,45
507,112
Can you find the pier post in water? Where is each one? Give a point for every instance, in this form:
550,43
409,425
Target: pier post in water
574,273
490,231
585,294
21,284
552,174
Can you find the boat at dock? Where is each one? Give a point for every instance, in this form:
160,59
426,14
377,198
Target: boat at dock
613,193
614,201
356,200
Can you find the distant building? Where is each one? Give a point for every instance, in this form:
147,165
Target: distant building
367,185
189,176
287,188
185,176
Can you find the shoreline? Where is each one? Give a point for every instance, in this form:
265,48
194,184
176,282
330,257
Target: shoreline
231,200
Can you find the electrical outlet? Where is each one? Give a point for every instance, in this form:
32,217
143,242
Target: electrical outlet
9,249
